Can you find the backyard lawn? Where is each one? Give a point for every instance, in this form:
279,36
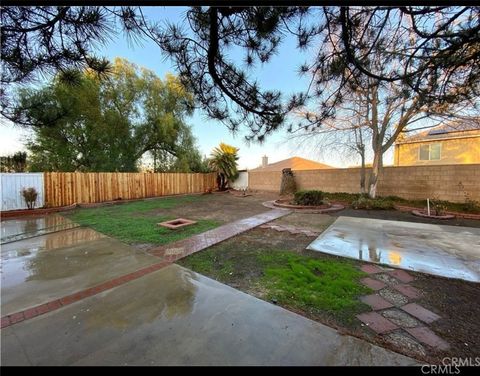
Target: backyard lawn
136,222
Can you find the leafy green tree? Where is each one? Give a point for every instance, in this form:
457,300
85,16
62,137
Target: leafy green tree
187,158
107,124
14,163
223,160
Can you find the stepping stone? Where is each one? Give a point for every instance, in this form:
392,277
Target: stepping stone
400,318
296,231
376,322
426,336
370,269
403,341
385,278
420,313
408,290
393,297
401,275
372,283
376,302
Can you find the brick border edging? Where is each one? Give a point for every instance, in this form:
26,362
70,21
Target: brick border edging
55,304
33,212
336,207
404,208
281,204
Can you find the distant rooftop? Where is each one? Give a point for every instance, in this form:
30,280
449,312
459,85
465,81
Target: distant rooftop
295,163
444,131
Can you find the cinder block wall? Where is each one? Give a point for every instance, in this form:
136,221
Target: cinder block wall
413,182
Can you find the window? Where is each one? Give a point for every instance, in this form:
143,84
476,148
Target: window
430,152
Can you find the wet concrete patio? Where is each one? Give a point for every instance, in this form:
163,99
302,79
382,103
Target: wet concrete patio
28,227
447,251
177,317
40,268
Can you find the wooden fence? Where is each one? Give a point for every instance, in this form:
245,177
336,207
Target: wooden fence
67,188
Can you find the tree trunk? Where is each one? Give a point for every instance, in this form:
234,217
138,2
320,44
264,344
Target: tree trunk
222,181
362,170
376,169
154,160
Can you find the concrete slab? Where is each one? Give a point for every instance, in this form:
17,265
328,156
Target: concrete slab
27,227
447,251
47,267
177,317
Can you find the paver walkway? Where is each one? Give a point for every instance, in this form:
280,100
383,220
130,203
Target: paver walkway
395,315
175,251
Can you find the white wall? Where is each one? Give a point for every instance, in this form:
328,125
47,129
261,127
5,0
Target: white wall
12,184
242,181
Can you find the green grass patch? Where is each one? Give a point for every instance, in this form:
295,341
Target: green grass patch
320,285
312,283
209,264
136,222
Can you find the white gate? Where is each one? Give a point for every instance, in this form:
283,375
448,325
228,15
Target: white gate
13,183
242,181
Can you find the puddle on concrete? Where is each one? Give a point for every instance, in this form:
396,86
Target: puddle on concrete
29,259
23,228
448,251
45,267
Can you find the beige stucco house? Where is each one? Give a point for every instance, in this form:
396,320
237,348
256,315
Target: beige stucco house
454,143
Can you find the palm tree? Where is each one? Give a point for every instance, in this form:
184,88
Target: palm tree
223,159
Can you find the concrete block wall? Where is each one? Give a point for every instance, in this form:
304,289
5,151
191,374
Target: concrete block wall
445,182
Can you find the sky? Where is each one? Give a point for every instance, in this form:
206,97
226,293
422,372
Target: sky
279,73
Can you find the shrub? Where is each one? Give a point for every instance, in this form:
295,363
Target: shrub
309,198
342,196
472,206
394,198
30,196
372,203
439,206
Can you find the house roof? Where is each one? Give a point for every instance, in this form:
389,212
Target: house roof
295,163
445,131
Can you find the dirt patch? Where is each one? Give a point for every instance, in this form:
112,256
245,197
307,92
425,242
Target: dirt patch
224,207
458,304
314,222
